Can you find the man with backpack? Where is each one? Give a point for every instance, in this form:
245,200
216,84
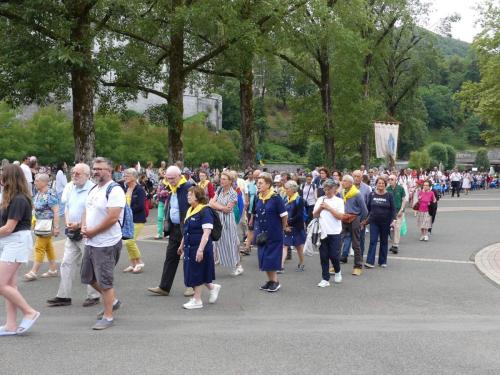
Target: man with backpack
101,227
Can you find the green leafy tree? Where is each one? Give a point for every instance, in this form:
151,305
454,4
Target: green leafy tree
482,162
438,153
419,159
451,157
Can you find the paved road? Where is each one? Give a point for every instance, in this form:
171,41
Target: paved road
429,312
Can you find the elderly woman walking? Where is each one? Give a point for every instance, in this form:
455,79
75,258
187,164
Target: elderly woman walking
295,234
424,220
227,248
136,199
46,210
15,245
270,219
196,245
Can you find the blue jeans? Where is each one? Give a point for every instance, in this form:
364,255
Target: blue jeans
378,229
346,238
329,250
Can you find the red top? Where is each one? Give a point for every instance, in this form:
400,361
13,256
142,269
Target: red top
424,199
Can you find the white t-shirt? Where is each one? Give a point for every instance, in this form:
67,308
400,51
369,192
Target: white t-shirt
27,173
242,185
328,223
96,210
61,181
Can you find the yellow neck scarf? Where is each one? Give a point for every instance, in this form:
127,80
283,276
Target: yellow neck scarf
203,184
269,194
192,212
173,189
164,182
293,198
351,193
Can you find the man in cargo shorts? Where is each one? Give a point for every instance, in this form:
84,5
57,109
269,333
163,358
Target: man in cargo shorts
102,230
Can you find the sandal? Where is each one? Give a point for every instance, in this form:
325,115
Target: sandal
245,251
50,273
139,268
30,276
128,269
26,324
4,332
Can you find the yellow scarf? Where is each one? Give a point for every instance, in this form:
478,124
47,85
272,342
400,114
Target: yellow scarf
192,212
203,184
164,182
269,194
349,194
173,189
293,198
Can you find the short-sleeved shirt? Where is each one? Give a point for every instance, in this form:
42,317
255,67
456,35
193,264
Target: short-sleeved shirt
96,210
329,223
399,194
19,209
44,203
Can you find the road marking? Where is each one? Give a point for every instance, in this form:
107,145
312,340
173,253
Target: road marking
432,260
461,209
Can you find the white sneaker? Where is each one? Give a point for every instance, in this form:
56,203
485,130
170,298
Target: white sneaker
237,271
422,238
323,284
338,277
426,238
214,293
193,304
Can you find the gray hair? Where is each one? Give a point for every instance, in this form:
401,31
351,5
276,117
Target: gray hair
84,167
44,177
330,183
173,169
291,185
131,172
348,178
100,159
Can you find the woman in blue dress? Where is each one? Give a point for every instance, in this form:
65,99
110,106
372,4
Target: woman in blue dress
295,234
196,245
270,219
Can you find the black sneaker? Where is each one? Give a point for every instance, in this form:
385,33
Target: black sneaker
57,301
343,259
274,286
393,249
265,286
90,302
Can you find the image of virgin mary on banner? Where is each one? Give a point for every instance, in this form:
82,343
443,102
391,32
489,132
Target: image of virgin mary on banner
386,139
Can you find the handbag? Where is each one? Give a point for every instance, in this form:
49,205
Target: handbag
416,205
261,239
43,227
73,235
348,218
315,236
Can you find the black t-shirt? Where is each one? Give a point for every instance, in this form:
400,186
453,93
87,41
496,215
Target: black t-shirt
19,209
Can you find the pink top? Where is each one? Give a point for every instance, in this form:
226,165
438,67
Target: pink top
424,199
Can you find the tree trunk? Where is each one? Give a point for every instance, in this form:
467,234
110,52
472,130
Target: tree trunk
326,104
247,118
82,84
176,91
365,138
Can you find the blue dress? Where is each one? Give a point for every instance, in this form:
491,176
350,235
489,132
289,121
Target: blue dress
295,211
268,219
195,273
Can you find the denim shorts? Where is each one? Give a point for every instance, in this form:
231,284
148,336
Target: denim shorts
16,247
98,264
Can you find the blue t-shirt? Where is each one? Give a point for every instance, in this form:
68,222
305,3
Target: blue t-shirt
175,213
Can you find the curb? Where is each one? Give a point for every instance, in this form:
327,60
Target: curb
487,261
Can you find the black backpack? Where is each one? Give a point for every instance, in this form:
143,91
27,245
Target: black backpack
217,229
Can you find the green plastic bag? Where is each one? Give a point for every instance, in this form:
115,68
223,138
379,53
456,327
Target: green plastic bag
404,227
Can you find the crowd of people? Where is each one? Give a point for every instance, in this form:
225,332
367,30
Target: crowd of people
210,217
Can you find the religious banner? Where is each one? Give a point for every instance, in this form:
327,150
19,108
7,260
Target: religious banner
386,139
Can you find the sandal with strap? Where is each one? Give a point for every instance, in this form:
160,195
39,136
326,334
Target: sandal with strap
30,276
50,273
139,268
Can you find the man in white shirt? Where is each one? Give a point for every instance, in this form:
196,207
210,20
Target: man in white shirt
27,172
456,180
102,230
74,196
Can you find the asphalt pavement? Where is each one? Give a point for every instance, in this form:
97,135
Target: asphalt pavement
429,312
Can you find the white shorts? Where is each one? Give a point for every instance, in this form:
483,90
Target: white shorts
16,247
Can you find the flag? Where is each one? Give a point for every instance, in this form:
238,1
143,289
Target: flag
386,139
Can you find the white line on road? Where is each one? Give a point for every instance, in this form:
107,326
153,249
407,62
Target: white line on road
432,260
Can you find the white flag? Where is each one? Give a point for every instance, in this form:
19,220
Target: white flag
386,139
